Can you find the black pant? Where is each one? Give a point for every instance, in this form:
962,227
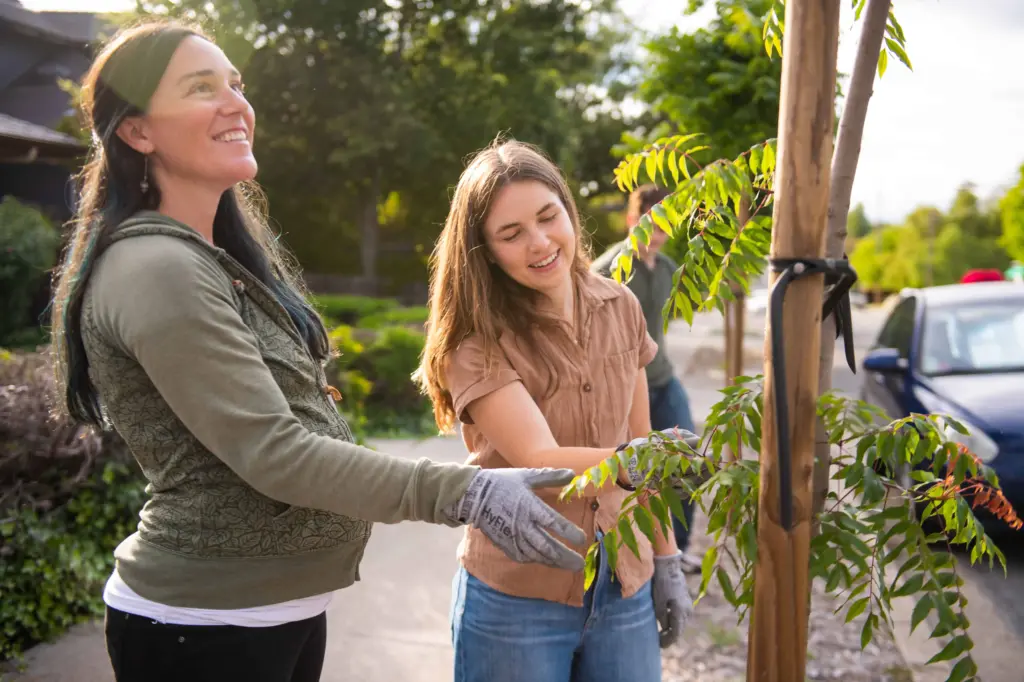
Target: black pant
143,650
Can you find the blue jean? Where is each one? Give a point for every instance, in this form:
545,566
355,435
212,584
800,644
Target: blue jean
670,407
500,638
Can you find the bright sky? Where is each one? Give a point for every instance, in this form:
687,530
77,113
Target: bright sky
956,118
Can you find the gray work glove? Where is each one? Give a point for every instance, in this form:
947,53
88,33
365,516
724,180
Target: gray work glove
633,470
672,603
502,504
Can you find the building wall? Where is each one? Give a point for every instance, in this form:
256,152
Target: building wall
48,187
29,72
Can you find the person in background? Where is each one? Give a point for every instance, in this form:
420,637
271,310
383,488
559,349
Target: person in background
177,321
541,361
651,282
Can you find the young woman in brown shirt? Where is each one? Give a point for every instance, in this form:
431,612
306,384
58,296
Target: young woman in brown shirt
541,361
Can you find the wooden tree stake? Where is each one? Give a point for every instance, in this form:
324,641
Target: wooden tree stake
777,646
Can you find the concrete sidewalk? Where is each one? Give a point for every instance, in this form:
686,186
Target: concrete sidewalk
392,625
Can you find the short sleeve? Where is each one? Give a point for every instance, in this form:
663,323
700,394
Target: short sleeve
470,378
646,345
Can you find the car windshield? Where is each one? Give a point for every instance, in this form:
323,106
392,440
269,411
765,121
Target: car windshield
973,338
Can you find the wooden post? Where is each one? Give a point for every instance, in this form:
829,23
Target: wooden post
777,646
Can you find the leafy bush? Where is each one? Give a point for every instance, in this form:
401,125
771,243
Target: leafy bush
68,495
54,563
373,372
349,309
415,316
28,250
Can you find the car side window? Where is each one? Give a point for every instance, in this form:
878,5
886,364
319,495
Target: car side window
898,331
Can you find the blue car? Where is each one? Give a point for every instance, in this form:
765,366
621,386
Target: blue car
958,350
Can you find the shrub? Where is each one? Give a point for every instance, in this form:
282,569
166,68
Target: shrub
374,377
349,309
28,250
68,496
415,316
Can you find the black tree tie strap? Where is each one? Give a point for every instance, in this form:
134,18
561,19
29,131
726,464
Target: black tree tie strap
839,277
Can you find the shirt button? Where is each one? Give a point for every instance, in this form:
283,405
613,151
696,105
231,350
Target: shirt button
595,505
586,388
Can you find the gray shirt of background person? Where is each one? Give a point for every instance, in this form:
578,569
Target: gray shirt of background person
653,287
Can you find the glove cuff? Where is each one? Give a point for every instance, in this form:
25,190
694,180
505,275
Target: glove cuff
463,510
668,558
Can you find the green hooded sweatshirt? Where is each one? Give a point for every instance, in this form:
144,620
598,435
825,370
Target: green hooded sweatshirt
257,494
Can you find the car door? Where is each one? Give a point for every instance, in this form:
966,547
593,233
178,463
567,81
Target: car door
887,390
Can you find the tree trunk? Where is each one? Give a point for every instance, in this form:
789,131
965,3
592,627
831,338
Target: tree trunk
369,232
844,169
777,645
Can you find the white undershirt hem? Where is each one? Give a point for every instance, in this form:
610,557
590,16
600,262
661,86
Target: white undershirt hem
117,595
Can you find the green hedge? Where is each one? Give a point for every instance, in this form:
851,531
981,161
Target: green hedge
415,316
70,495
53,564
373,372
349,309
28,250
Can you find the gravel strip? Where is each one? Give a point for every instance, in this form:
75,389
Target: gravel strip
715,645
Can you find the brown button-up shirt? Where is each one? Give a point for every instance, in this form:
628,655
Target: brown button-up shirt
589,407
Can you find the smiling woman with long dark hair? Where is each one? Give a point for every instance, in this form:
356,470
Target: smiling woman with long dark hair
178,322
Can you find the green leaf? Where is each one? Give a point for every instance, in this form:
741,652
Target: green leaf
660,218
673,167
749,536
954,648
755,159
661,513
867,630
651,166
768,162
835,575
590,567
899,52
883,61
727,589
644,521
611,548
921,610
674,503
634,167
628,536
912,585
965,668
857,608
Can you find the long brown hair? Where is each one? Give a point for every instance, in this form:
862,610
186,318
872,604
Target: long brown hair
120,83
471,295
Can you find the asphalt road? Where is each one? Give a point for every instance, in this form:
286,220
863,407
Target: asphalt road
995,601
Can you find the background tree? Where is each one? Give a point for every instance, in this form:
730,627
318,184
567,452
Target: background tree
720,82
857,224
1011,214
931,247
367,103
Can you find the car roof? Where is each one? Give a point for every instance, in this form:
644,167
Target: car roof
966,293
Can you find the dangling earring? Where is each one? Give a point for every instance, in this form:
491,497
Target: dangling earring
144,185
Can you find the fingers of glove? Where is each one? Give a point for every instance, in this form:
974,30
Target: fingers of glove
555,551
667,638
551,552
544,516
549,478
688,437
505,543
